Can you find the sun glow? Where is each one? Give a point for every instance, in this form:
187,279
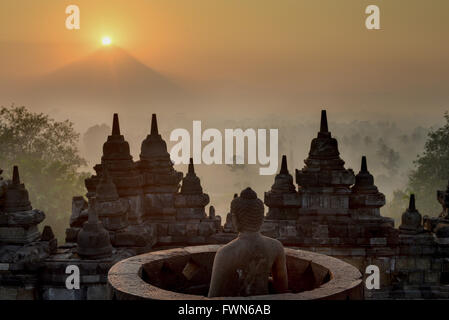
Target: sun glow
106,41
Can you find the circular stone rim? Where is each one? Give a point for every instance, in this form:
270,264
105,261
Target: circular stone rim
125,277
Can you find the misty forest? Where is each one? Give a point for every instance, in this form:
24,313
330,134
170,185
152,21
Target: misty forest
54,159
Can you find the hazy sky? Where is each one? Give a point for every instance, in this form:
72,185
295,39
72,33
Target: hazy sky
279,60
315,52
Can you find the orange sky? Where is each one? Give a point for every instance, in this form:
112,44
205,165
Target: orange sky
191,36
296,46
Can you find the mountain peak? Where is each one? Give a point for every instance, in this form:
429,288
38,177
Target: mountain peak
107,75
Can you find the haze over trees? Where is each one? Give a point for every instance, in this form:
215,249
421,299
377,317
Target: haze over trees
431,173
47,155
52,167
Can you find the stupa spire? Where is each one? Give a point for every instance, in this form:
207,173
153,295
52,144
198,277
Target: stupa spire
364,167
154,129
284,169
15,175
191,167
411,205
115,125
323,124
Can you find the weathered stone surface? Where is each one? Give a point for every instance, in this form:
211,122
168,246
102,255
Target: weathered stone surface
93,240
283,200
155,164
79,212
346,282
98,292
17,293
206,228
112,211
411,219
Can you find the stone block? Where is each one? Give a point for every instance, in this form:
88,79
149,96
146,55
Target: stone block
445,265
197,240
165,239
206,228
357,252
17,293
270,229
323,250
358,262
437,265
353,231
63,294
162,229
338,231
378,241
128,239
363,241
423,263
287,231
384,264
416,277
177,229
405,263
98,292
191,229
4,266
90,278
334,241
428,250
431,277
320,231
340,251
71,234
19,235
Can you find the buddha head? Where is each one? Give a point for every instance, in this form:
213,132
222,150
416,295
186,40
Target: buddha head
247,211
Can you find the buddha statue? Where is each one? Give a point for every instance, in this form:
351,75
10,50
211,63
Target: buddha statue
243,266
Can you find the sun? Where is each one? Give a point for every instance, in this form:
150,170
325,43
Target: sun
106,41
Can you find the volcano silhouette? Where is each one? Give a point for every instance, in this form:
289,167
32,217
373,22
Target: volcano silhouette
108,76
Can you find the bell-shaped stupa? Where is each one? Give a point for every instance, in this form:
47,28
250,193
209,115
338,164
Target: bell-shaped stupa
18,220
191,201
125,176
111,210
282,200
411,220
156,165
324,182
365,200
93,239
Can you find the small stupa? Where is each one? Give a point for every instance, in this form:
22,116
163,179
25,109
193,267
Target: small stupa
111,210
191,201
282,200
93,239
411,220
18,220
324,182
161,180
122,169
365,200
228,226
